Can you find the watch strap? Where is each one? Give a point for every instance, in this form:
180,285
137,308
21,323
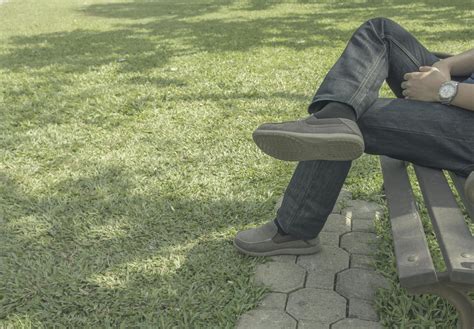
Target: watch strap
448,100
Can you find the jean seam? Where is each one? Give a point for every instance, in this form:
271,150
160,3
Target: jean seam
362,84
373,70
404,50
366,78
416,133
376,32
298,211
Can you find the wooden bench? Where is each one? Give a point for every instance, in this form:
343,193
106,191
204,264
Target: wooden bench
414,263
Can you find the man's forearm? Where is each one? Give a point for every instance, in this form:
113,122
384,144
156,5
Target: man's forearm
460,65
465,96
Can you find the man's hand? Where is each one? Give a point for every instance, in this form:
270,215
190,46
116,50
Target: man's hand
444,67
424,85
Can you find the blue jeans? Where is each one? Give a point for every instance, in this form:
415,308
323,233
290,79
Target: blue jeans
427,134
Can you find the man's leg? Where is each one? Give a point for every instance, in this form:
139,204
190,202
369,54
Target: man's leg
310,197
379,50
308,201
424,133
427,134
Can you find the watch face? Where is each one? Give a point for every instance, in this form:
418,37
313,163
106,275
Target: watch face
447,91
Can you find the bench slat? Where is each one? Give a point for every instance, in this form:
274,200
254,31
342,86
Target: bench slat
455,239
414,263
459,183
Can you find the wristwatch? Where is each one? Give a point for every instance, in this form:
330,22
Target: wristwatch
448,91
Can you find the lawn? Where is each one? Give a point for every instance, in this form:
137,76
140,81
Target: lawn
126,159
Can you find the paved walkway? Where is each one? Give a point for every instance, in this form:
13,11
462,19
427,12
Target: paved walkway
331,289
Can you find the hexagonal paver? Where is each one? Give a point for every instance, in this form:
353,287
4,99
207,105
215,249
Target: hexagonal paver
359,283
337,208
278,203
362,210
342,201
316,304
347,239
363,225
266,319
359,242
337,223
311,324
329,258
344,195
356,324
361,309
284,258
322,279
280,277
362,261
329,238
273,300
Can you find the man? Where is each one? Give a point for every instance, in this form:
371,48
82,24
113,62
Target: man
430,123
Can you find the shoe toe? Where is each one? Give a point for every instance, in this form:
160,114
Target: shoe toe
250,239
267,126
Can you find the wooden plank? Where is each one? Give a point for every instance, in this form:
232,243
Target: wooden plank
455,239
459,183
414,263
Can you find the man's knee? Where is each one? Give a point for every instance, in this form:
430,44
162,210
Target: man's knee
381,24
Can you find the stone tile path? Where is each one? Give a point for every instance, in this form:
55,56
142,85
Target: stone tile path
331,289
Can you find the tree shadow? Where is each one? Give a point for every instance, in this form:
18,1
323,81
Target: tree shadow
83,50
150,44
98,238
156,9
93,248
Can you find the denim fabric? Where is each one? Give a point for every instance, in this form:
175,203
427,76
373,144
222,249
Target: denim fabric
470,79
379,50
428,134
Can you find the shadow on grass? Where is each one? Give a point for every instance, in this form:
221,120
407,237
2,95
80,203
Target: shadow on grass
172,33
171,30
156,9
94,251
95,247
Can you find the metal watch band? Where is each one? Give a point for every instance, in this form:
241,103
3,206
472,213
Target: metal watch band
447,101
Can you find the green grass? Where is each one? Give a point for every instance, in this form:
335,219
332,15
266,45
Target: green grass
126,162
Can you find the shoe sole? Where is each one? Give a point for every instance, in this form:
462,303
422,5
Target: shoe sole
292,146
282,251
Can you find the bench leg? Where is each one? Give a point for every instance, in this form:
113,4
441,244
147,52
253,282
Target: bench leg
457,296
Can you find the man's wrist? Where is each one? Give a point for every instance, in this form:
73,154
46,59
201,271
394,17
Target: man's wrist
448,91
444,67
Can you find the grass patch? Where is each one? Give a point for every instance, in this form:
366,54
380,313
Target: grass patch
126,162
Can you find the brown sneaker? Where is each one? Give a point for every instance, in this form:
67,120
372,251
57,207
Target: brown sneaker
469,188
266,241
311,139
